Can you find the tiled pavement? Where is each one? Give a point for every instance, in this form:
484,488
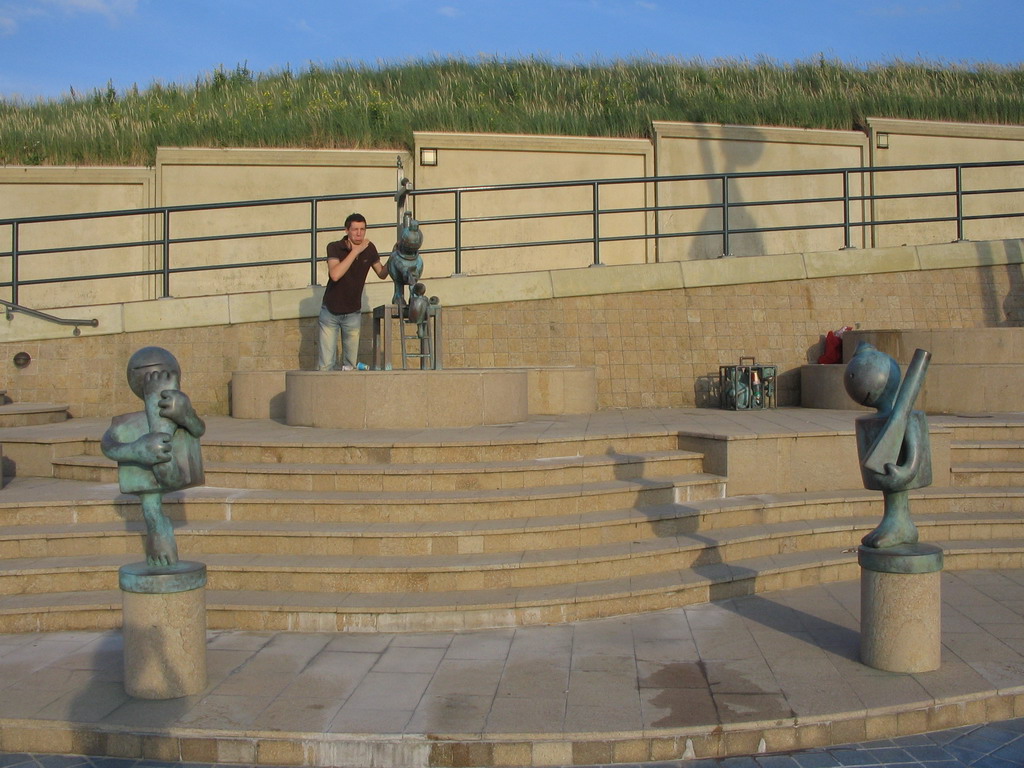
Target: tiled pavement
776,658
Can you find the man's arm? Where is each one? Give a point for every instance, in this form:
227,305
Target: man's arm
339,264
380,268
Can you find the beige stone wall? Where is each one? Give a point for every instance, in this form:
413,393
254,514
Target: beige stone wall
919,142
656,334
686,149
192,176
59,191
492,159
195,176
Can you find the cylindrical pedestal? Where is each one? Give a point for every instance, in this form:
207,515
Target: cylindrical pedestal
900,608
164,629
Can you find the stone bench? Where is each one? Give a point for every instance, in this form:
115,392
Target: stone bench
972,370
403,399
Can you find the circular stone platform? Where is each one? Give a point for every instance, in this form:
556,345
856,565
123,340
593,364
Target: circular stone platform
405,399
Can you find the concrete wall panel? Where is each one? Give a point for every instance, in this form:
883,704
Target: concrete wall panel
693,149
482,160
919,142
59,191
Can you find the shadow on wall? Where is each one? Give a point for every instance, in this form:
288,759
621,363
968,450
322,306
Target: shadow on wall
309,309
1006,311
1013,304
737,155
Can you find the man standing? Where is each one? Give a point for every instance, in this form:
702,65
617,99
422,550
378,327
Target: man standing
348,262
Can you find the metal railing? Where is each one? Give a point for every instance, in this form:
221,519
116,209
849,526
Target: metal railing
725,208
11,308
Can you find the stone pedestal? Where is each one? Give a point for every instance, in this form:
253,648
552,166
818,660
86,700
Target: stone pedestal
164,629
900,607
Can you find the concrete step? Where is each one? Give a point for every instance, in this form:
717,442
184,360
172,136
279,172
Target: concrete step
473,537
978,428
481,475
417,574
472,609
973,474
31,414
321,449
30,503
981,451
213,503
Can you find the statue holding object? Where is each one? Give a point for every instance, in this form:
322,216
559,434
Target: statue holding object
893,445
156,449
406,265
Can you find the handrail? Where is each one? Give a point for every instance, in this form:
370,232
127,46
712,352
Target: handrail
12,308
725,206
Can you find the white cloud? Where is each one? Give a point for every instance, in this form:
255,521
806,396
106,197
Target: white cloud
8,26
647,6
450,11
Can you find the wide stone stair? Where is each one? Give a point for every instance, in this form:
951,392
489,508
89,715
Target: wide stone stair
27,414
407,535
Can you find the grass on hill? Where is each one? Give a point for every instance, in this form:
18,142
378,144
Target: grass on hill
352,106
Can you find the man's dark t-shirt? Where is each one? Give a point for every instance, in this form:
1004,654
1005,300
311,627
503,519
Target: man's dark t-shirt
346,295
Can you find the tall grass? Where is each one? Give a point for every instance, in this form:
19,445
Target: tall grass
353,106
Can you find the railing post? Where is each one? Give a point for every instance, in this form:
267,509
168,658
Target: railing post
959,203
597,225
846,209
312,242
458,232
167,254
725,217
14,263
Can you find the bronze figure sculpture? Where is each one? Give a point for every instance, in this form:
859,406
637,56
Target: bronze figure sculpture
406,265
893,444
156,449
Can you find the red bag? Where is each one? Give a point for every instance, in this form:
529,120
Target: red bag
833,347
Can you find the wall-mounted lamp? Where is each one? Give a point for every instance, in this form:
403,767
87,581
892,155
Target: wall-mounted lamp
22,359
428,156
882,140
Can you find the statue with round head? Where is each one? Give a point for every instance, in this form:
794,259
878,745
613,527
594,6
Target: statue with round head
156,449
893,444
148,364
406,265
872,378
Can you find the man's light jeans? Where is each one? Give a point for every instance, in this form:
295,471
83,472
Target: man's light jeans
327,346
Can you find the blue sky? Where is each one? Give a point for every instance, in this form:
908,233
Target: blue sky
48,47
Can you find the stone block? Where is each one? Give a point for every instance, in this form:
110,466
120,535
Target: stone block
164,643
491,289
176,313
249,307
901,621
968,254
258,395
821,386
564,390
865,262
753,269
595,281
405,399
